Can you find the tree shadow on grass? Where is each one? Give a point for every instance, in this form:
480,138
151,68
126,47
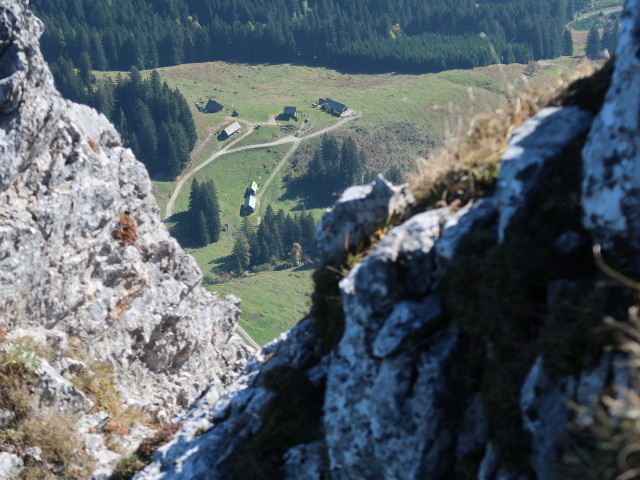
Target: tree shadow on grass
222,264
183,229
308,194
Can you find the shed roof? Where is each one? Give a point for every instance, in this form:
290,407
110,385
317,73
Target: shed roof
250,201
231,129
336,105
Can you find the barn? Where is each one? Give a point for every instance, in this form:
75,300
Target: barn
249,206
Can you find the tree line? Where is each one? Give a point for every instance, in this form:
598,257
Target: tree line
368,35
154,120
279,238
597,43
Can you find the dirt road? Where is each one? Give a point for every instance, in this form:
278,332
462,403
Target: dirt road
227,149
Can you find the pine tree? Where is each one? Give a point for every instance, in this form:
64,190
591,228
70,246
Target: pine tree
240,256
593,47
194,196
351,164
98,56
146,131
246,229
308,235
202,233
330,161
211,209
567,43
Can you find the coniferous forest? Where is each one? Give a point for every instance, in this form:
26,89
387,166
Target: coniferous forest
154,120
279,238
367,35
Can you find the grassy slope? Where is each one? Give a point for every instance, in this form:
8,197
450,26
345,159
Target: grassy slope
273,301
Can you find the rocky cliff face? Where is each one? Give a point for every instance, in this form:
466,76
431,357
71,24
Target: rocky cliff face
87,270
464,342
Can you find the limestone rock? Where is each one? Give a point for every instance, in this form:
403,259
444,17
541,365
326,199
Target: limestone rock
359,212
52,390
68,193
542,137
10,466
611,185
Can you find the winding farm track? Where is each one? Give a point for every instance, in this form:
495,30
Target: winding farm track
604,11
227,149
242,333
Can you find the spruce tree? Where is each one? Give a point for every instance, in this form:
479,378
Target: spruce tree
308,235
246,229
567,43
202,233
211,210
240,255
593,47
351,164
194,197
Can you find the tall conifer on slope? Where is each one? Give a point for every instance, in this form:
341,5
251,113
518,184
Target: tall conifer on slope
240,256
204,210
593,47
567,43
202,233
211,209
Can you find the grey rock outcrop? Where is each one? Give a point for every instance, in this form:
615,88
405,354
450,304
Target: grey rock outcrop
82,248
467,335
88,273
612,179
358,213
10,466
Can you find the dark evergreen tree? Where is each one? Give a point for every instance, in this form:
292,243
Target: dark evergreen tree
567,43
194,196
240,256
145,129
205,210
610,37
593,48
202,232
85,68
211,209
394,175
308,236
148,111
352,165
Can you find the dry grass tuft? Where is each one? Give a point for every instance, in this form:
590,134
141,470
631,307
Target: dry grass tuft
466,168
99,385
60,453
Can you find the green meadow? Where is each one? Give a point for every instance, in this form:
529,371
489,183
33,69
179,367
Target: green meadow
429,104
